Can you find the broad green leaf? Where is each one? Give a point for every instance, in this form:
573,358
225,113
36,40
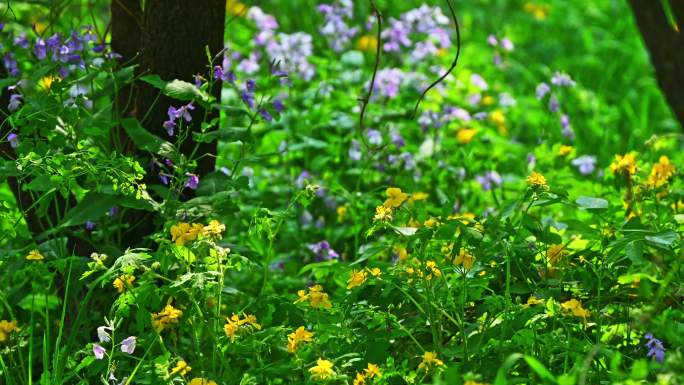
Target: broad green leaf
40,302
147,141
591,203
177,89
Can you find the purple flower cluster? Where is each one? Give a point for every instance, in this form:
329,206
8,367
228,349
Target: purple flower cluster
505,45
336,29
177,114
425,21
323,251
290,51
489,180
586,164
655,347
388,81
559,80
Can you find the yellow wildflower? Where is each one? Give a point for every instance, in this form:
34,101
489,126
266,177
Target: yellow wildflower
297,338
122,282
400,252
499,120
182,368
367,43
538,11
234,325
342,212
183,232
430,361
236,8
357,278
359,380
624,164
45,83
375,272
201,381
536,180
323,370
564,150
169,315
431,267
34,255
419,196
382,213
373,371
488,100
7,327
431,222
556,253
214,228
316,296
465,135
576,308
533,300
661,172
395,197
464,258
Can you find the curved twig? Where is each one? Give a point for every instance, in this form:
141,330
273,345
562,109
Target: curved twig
378,52
453,65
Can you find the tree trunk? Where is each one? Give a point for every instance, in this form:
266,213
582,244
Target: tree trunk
174,40
666,47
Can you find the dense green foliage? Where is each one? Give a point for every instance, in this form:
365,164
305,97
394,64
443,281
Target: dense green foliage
524,227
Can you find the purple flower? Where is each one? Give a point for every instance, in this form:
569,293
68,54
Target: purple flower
40,49
103,333
388,81
164,179
90,225
655,348
14,102
542,90
554,104
265,115
128,345
355,151
99,351
248,98
507,44
169,126
13,140
278,105
21,40
335,28
567,131
374,137
489,180
112,211
251,64
562,80
491,40
531,160
302,179
198,80
396,138
10,64
250,85
192,182
479,82
585,163
323,251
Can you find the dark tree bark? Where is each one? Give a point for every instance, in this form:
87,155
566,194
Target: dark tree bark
174,40
666,47
167,38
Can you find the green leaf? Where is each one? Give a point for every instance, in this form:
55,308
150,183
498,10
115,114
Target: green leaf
591,203
177,89
96,204
228,134
540,369
147,141
33,302
663,239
